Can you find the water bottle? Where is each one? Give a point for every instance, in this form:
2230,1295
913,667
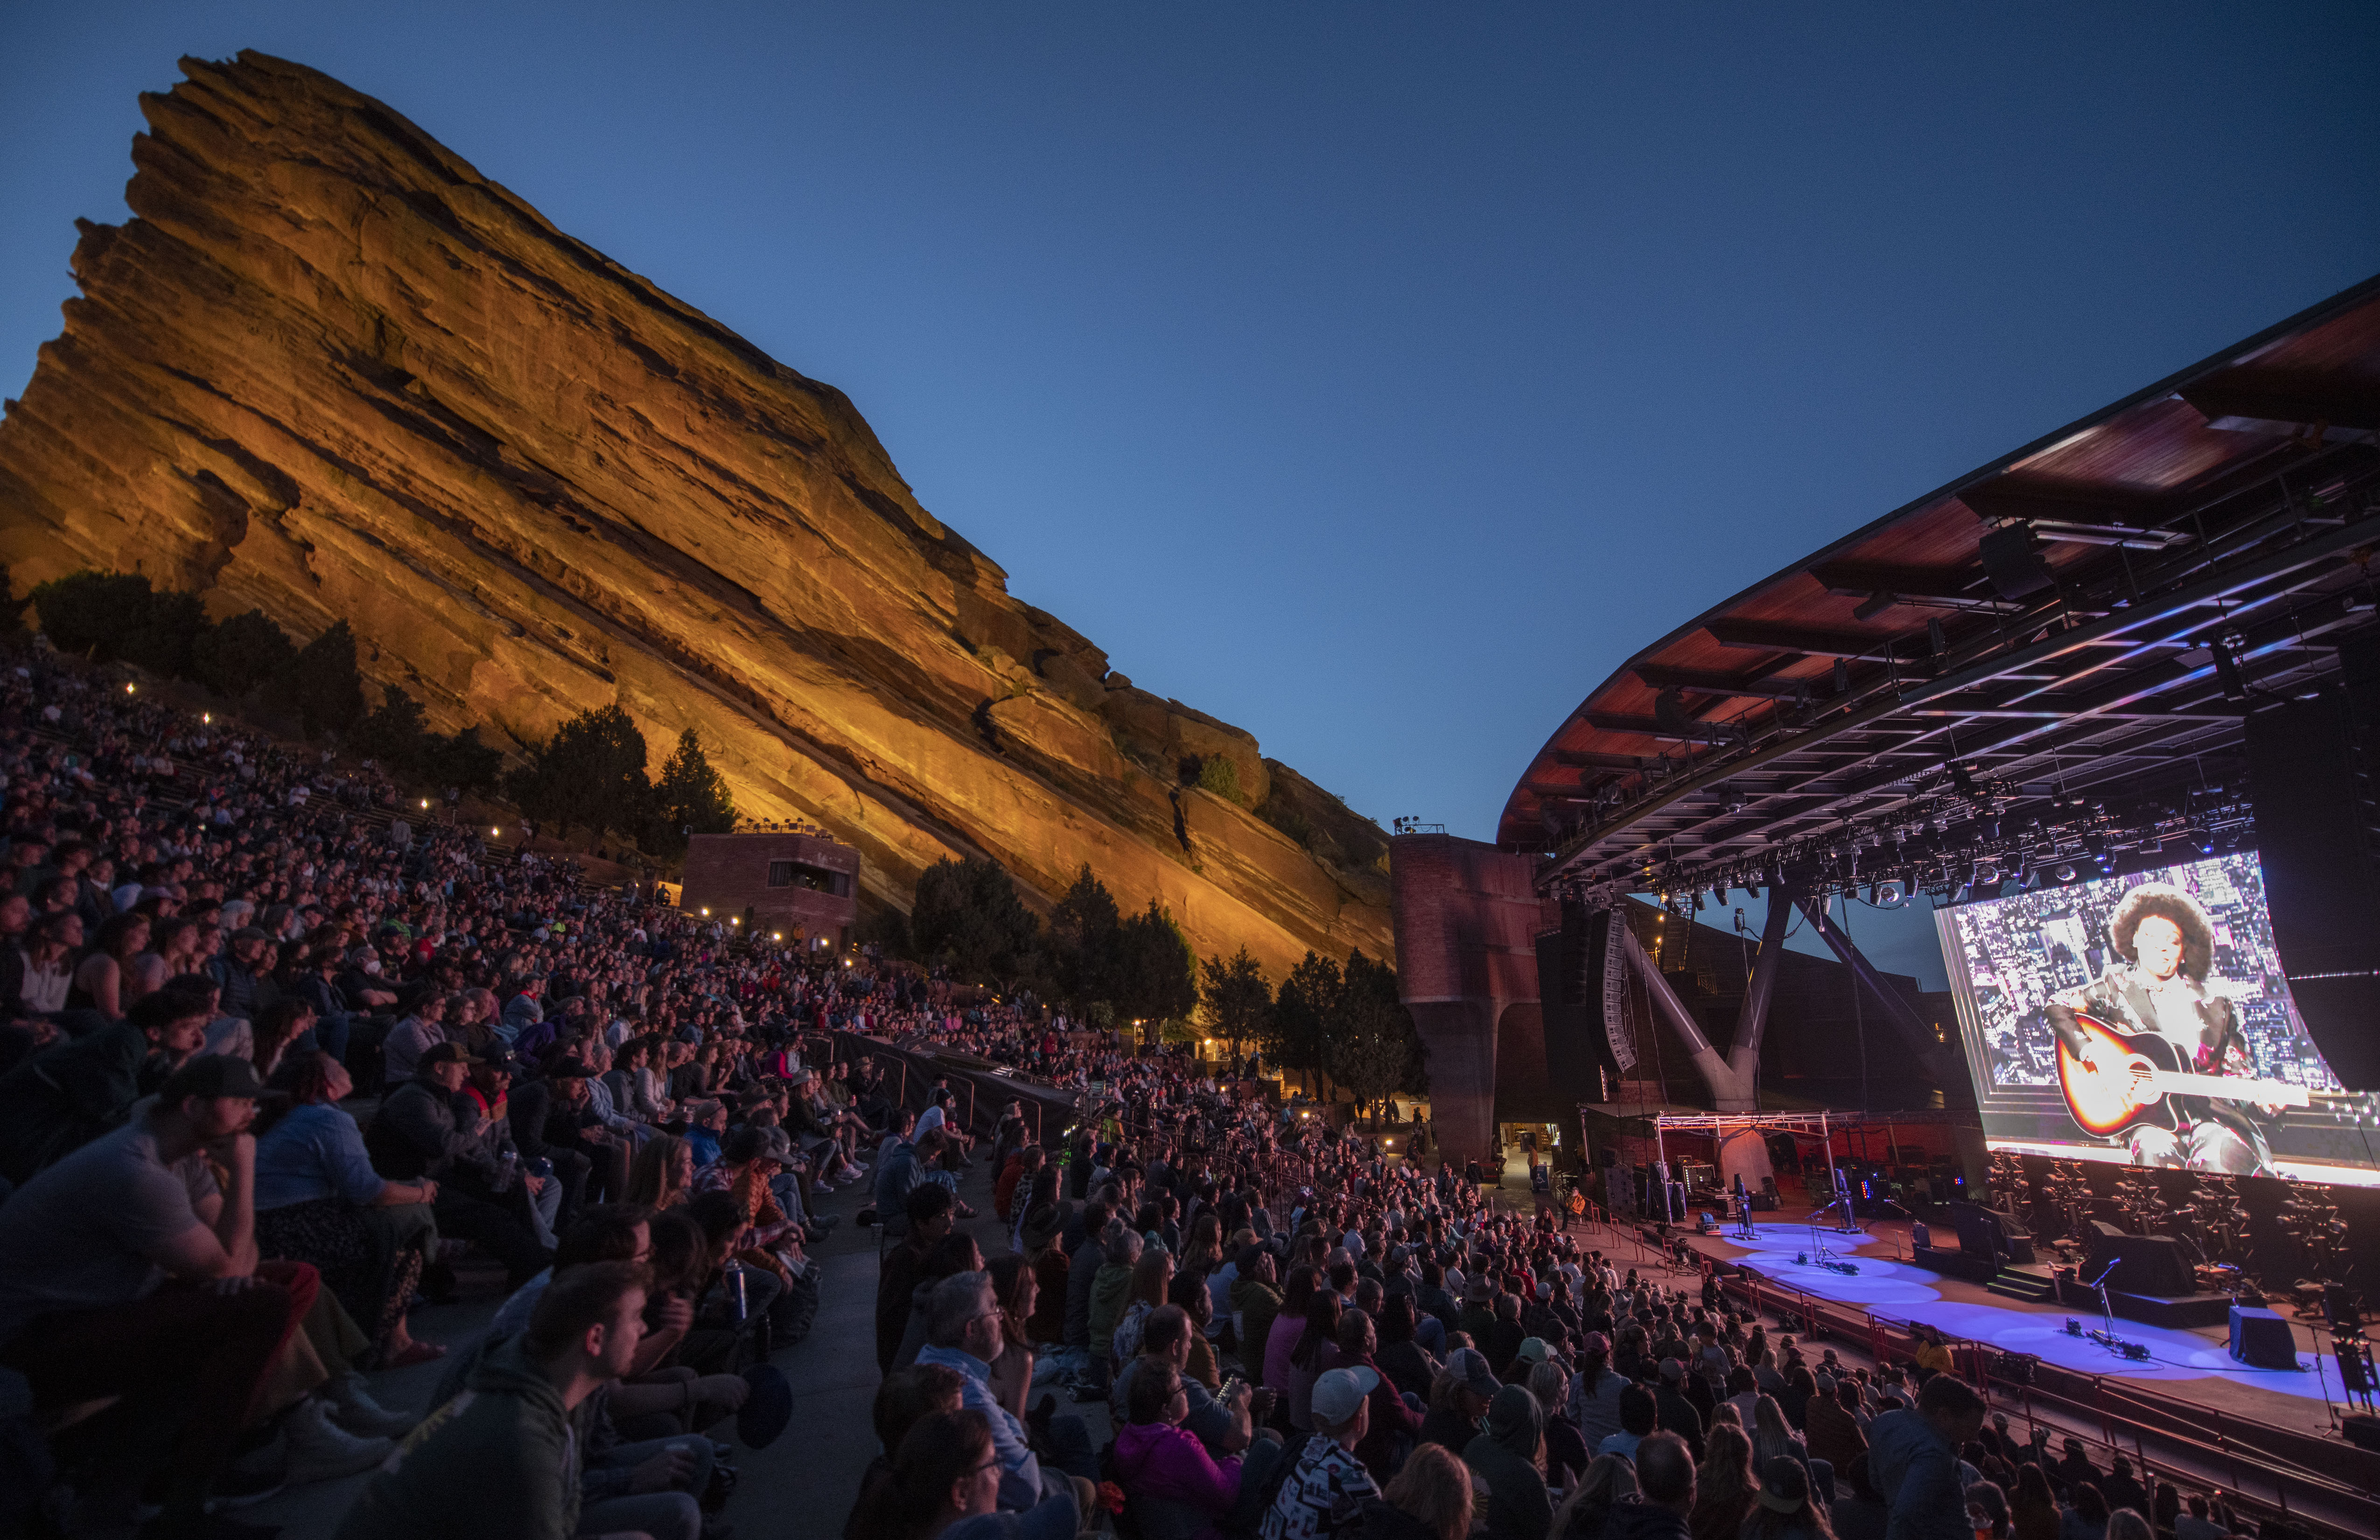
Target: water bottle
734,1285
508,1172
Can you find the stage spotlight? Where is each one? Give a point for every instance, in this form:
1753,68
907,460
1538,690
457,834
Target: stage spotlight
2227,649
2065,872
1986,875
1889,895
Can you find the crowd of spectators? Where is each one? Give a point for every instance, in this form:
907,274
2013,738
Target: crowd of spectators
276,1054
279,1049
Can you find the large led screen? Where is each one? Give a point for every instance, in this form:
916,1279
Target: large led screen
2145,1019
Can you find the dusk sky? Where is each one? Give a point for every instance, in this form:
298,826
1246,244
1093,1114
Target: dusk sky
1376,378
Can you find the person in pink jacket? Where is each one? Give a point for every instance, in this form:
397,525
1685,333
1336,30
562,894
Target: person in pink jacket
1287,1326
1174,1490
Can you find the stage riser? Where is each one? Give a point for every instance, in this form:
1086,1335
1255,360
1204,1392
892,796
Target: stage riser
2185,1312
1956,1264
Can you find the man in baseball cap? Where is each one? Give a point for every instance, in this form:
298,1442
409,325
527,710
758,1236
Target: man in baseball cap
84,1244
1326,1477
1455,1423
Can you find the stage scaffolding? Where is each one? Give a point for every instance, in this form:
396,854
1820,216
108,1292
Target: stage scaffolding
1821,1125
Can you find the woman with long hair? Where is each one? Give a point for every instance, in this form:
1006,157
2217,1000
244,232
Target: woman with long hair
662,1176
1408,1363
1429,1500
1609,1481
1316,1350
2085,1516
1016,1290
1287,1326
1773,1438
2125,1524
1567,1455
103,980
1152,1278
1723,1485
2033,1510
279,1026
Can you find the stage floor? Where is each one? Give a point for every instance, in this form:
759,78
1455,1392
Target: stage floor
2195,1364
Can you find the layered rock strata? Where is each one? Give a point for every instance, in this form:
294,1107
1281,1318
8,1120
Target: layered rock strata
331,370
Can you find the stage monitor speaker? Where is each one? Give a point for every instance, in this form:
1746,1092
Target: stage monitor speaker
2322,884
2262,1339
2362,1430
1578,1054
2156,1266
1989,1232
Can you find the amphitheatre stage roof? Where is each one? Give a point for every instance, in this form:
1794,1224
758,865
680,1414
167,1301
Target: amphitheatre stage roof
2049,661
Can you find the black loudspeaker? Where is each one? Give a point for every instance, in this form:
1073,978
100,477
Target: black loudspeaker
2361,1429
2154,1265
2013,560
2340,1308
2321,884
1989,1232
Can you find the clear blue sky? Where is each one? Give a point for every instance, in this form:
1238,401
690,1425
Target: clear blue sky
1378,377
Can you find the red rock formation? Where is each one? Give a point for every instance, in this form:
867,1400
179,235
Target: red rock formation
332,370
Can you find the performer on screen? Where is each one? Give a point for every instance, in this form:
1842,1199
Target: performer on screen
2167,946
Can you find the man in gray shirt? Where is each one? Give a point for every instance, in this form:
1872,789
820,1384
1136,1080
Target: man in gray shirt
125,1270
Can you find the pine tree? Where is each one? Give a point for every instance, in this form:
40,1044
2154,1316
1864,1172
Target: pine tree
243,653
322,683
690,797
967,914
395,732
590,774
1084,930
1237,997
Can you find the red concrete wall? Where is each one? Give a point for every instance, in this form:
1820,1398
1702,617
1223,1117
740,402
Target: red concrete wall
1466,921
728,873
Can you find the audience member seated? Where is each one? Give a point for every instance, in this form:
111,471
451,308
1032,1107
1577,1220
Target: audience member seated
126,1272
319,1201
414,1135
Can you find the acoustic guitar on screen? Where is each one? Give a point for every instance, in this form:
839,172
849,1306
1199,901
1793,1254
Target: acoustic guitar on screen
2148,1071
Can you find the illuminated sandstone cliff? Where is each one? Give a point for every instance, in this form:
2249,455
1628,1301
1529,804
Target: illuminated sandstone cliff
331,370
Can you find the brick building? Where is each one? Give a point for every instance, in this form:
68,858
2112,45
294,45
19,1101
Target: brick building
799,885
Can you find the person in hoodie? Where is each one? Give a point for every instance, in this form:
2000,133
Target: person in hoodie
500,1457
1914,1461
1510,1456
1173,1489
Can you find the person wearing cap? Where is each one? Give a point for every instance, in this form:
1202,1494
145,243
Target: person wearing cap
241,974
126,1270
415,1135
1673,1410
1327,1484
1466,1388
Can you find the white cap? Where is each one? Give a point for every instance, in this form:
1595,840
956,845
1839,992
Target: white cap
1339,1393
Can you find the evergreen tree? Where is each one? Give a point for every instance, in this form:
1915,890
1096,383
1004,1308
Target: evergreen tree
967,914
243,653
91,612
1368,1006
1156,974
162,634
1237,997
396,733
12,609
1085,928
322,683
462,761
591,774
1302,1018
690,796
